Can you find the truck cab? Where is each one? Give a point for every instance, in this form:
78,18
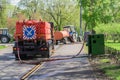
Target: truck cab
4,35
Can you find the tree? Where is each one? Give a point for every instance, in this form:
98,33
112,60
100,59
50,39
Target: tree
30,7
2,13
115,10
97,11
60,12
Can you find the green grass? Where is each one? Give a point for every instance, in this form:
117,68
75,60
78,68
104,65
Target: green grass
113,71
104,60
109,41
112,41
85,48
113,45
2,47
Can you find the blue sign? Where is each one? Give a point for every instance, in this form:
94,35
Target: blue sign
29,32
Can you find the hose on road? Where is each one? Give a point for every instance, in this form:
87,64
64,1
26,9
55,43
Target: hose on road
49,59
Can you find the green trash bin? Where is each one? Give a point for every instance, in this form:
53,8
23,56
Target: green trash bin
96,44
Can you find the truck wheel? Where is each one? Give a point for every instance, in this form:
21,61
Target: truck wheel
56,42
22,57
64,41
4,39
16,57
45,55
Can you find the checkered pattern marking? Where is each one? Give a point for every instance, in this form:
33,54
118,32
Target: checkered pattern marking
29,32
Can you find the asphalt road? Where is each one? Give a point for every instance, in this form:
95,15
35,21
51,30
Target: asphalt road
9,68
7,44
71,69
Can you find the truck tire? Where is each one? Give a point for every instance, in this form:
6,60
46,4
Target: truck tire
64,41
22,57
46,55
4,39
16,57
56,42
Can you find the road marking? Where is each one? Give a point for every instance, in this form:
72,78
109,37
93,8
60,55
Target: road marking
34,69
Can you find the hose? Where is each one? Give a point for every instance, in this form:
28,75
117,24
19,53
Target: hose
18,52
81,48
49,59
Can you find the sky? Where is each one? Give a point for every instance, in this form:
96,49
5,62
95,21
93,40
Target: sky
14,2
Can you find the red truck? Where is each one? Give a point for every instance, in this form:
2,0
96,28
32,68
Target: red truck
33,38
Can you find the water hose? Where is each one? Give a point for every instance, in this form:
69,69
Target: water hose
49,59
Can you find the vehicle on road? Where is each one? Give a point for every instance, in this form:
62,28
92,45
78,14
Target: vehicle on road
73,35
67,34
33,38
4,35
61,36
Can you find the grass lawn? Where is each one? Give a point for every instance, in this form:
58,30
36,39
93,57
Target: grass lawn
112,71
105,64
2,47
113,45
109,69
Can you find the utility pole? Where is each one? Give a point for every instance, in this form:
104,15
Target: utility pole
81,18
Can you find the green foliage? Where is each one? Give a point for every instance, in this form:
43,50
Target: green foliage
113,45
2,47
9,10
99,11
111,31
105,60
61,13
2,13
118,78
112,71
111,28
29,7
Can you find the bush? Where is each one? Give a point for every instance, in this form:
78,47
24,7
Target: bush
111,31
